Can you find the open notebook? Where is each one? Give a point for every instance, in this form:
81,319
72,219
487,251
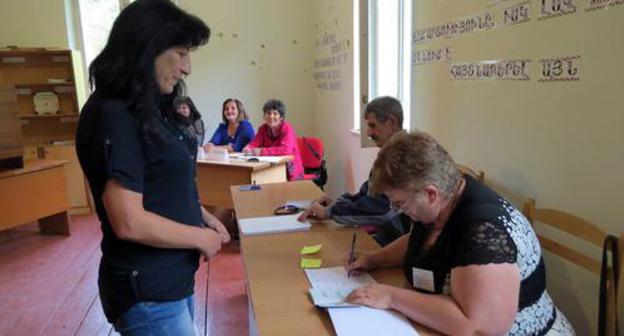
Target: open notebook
329,288
271,224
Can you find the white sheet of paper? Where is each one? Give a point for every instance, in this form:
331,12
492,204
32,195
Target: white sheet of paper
271,224
269,159
367,321
363,321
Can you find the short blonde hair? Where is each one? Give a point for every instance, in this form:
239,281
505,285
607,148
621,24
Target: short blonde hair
410,161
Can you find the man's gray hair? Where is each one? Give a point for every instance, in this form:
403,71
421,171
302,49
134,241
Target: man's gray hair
384,108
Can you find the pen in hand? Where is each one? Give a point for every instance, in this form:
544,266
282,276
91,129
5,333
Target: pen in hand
351,255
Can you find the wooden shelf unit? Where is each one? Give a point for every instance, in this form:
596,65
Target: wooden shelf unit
36,70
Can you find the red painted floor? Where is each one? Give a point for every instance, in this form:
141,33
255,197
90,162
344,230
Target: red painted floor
48,285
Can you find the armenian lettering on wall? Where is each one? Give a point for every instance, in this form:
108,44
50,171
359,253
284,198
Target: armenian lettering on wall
493,70
440,55
501,14
603,4
327,69
560,69
554,8
518,13
472,24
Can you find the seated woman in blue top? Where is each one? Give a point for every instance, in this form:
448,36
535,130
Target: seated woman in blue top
235,132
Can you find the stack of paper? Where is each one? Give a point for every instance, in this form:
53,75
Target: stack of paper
269,159
271,224
331,285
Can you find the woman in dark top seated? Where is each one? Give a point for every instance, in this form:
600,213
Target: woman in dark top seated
472,260
189,118
235,132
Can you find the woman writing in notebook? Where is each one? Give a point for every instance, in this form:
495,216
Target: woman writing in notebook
277,137
235,132
471,258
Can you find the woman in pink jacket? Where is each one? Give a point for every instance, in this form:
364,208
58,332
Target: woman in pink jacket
277,137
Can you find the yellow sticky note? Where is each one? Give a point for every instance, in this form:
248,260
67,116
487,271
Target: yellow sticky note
311,263
311,249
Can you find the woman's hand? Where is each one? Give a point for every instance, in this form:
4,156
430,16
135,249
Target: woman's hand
316,211
220,228
209,147
209,242
361,263
256,151
376,296
325,200
214,223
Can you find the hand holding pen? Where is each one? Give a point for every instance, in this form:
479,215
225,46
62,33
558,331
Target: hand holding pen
359,262
351,255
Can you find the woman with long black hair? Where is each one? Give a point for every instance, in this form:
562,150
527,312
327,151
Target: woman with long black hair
189,118
141,169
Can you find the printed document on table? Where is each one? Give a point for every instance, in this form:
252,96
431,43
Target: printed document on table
362,321
271,224
336,277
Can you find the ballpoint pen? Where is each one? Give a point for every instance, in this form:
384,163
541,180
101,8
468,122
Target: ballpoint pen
351,255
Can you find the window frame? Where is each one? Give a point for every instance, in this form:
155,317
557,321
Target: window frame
365,71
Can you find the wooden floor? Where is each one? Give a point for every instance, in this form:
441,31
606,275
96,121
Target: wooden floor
48,285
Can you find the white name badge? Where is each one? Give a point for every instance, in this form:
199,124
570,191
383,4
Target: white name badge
423,279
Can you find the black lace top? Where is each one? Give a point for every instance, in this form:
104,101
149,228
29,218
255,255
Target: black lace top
484,229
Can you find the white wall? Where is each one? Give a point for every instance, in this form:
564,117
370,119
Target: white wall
348,163
558,142
223,68
33,23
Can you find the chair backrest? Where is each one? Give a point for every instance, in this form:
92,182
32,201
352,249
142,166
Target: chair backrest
479,175
619,292
571,225
311,150
585,231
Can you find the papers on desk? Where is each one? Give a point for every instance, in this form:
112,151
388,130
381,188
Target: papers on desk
271,224
269,159
331,297
331,286
366,321
217,154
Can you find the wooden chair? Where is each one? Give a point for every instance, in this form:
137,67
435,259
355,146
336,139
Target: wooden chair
479,175
583,230
619,306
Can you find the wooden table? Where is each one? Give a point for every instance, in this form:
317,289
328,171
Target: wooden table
214,178
277,286
36,192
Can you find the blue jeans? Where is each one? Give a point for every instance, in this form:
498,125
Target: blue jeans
159,318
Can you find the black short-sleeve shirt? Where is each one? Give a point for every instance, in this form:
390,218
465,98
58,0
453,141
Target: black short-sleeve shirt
485,228
111,144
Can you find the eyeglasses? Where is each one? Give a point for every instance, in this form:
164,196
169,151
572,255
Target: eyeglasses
399,207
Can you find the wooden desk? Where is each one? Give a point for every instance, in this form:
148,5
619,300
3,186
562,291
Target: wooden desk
35,192
277,286
214,178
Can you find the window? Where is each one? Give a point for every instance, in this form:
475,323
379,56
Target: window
382,35
96,18
96,21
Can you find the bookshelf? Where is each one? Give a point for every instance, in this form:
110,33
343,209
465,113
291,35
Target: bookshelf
52,72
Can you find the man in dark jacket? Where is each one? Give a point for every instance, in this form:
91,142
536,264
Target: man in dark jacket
384,118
